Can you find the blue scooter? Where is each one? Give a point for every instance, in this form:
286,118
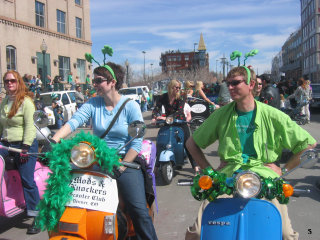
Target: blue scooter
170,147
245,216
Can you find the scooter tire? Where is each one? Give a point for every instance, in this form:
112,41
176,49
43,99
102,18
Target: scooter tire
167,172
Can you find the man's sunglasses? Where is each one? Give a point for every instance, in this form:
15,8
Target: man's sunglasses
234,83
99,80
6,81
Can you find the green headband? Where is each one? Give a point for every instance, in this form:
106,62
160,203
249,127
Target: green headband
110,71
105,50
248,73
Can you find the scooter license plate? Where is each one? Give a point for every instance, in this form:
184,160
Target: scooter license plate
94,192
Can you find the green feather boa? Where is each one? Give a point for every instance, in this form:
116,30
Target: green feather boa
58,192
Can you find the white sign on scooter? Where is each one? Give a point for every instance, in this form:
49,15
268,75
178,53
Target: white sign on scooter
94,192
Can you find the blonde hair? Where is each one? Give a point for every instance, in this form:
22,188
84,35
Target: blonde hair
172,84
189,85
199,85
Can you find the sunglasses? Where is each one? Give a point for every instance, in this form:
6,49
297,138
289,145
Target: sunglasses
6,81
98,81
259,84
234,83
177,88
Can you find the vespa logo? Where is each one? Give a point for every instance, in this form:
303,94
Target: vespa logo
219,223
198,108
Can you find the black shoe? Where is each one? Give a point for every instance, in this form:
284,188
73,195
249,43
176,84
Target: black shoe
33,229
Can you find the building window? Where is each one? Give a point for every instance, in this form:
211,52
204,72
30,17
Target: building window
81,69
64,67
11,57
78,27
77,2
61,21
39,14
186,57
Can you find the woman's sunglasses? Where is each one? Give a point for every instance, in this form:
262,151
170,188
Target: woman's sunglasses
99,80
6,81
234,83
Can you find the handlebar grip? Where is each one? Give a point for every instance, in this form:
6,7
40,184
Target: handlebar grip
131,165
186,183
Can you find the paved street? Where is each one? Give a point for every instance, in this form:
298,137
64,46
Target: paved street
177,208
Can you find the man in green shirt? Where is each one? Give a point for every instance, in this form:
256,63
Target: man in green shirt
251,136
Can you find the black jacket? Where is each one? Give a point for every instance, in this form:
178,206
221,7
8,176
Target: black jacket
270,95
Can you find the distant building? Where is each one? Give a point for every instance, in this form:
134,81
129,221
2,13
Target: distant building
276,68
310,25
64,27
292,56
176,61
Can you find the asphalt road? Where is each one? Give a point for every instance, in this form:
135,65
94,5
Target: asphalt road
177,208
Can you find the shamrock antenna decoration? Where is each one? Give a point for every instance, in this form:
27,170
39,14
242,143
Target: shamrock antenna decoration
105,50
237,54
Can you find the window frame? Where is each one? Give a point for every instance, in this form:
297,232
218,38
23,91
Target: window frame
78,29
61,23
38,14
64,67
11,64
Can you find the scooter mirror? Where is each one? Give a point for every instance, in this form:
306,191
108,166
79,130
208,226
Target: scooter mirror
40,118
309,158
137,129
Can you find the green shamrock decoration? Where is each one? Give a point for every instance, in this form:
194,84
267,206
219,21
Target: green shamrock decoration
237,54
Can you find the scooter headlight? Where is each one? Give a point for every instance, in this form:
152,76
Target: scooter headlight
82,155
169,120
248,184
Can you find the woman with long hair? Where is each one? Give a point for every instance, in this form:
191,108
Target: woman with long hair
173,105
17,130
107,81
200,94
303,94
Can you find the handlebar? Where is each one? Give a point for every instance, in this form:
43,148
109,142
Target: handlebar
18,150
130,165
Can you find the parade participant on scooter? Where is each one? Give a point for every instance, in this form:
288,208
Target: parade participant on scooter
251,136
101,109
173,104
17,130
200,94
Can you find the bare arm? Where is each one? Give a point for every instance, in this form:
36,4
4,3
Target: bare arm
62,133
197,153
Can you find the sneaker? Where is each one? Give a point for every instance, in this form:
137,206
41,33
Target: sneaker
33,229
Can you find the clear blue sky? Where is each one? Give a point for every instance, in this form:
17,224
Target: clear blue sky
155,26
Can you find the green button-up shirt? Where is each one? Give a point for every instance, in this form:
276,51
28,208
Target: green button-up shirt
274,131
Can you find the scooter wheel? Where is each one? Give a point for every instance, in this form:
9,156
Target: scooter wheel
167,172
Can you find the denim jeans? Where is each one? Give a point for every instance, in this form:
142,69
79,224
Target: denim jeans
26,171
132,190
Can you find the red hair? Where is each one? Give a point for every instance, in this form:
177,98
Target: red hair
21,92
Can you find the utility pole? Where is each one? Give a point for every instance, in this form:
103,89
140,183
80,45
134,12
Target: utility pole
144,65
223,61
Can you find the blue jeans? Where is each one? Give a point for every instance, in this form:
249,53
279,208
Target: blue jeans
59,123
132,190
26,171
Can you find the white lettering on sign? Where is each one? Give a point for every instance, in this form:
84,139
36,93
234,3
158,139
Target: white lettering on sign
198,108
93,192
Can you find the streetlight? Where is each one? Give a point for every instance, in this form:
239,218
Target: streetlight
44,48
144,65
151,64
127,66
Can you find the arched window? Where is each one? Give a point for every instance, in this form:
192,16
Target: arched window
11,57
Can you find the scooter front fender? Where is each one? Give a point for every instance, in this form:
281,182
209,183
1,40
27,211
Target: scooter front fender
241,219
167,156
